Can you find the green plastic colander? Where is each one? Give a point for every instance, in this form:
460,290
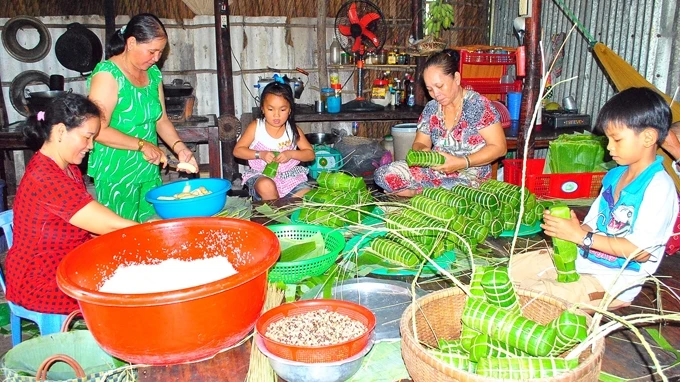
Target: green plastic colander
292,272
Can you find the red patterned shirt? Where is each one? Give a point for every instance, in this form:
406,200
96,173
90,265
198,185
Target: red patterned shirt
464,138
46,200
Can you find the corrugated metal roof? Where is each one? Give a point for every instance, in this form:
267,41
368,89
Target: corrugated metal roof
640,31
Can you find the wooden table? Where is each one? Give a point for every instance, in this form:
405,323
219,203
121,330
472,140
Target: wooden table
196,130
204,130
11,138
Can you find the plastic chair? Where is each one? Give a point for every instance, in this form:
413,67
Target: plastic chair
47,323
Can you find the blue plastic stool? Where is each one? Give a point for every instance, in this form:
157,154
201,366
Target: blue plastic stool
47,323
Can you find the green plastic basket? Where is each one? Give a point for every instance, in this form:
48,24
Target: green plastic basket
292,272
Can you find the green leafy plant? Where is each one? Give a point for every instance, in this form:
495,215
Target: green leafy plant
439,18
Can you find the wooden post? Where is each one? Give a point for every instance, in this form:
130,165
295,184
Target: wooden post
417,12
321,12
228,132
109,18
532,81
225,83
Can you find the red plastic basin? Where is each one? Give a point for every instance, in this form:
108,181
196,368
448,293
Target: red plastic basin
177,326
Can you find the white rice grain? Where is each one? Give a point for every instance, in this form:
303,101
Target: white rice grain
167,275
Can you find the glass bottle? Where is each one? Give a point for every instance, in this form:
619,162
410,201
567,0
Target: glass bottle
336,52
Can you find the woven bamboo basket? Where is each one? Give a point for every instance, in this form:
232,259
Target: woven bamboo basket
429,45
439,317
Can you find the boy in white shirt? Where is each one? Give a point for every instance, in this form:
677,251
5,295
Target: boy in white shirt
632,218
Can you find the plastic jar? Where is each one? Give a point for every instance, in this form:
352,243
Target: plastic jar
333,104
380,93
371,58
392,58
382,57
325,93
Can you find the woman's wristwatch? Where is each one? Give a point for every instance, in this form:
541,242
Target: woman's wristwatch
140,144
257,155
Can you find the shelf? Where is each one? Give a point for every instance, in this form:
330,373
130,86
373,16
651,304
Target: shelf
375,67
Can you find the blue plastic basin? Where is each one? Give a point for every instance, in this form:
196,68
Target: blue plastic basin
206,205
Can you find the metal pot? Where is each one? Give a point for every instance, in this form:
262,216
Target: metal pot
178,88
322,138
37,101
78,49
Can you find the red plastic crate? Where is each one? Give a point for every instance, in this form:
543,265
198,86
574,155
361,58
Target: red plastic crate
490,86
561,186
467,57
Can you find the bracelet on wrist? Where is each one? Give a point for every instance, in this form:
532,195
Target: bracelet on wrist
467,161
172,148
257,155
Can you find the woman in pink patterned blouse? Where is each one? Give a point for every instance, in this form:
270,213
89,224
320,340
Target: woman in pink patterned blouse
460,124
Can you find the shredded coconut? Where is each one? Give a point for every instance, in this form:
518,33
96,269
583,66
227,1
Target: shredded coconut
167,275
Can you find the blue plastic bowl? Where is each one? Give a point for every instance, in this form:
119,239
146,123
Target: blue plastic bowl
206,205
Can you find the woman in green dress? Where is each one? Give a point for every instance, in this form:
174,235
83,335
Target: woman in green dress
128,87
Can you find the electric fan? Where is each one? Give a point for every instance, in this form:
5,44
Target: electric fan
360,27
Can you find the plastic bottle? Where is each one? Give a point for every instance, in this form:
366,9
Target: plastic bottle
355,128
336,52
334,77
405,85
410,95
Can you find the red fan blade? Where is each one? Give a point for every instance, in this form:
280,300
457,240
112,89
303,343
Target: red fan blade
352,14
368,18
345,30
369,35
357,44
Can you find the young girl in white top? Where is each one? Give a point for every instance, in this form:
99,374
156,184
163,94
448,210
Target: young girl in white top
276,132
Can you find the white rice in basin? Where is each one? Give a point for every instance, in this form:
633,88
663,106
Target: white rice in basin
167,275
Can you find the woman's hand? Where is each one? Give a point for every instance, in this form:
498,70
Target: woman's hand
186,156
284,156
267,156
451,164
153,154
561,228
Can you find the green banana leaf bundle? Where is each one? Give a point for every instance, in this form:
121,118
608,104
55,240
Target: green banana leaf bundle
576,153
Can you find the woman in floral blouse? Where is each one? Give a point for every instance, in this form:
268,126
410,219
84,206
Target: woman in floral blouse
460,124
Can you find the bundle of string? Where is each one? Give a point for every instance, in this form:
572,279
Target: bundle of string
260,370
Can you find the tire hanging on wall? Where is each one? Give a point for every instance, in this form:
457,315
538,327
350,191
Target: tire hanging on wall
17,89
14,48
